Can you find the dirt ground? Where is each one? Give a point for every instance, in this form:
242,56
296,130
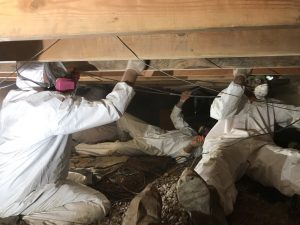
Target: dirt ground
255,205
121,178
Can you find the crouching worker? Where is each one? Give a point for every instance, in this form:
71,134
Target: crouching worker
240,143
143,138
35,124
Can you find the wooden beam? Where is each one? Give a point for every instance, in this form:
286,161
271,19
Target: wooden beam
163,83
198,64
201,44
204,74
182,64
39,19
229,72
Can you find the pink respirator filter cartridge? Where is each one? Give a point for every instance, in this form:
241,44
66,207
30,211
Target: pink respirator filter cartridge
65,84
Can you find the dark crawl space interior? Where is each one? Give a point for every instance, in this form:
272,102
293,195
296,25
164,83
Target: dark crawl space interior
188,45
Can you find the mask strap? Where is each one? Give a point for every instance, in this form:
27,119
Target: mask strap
43,85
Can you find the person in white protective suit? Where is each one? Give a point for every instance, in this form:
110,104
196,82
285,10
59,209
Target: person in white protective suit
148,139
241,142
35,146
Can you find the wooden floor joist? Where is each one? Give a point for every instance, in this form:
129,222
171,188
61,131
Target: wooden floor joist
203,63
201,44
175,35
183,64
39,19
155,76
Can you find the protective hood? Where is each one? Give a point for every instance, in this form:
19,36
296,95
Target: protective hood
32,71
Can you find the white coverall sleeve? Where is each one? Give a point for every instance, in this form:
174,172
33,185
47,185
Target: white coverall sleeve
226,105
177,118
286,115
78,114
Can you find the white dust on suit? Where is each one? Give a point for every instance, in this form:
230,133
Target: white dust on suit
35,149
146,138
231,152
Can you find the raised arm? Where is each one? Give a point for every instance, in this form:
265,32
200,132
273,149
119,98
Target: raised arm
226,104
76,114
176,115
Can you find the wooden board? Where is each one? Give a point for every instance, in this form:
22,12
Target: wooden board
40,19
201,44
204,74
182,64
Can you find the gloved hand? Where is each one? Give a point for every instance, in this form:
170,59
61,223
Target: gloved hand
241,72
185,95
136,65
192,150
240,75
133,68
197,140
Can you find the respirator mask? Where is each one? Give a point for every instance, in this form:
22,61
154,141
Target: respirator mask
51,76
261,91
258,85
59,78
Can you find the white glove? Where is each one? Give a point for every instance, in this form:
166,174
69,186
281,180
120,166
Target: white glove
241,72
137,65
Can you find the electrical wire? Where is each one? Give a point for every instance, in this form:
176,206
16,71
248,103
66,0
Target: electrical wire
220,92
277,106
197,159
153,90
33,57
211,62
3,87
175,94
97,77
258,135
156,90
175,78
274,71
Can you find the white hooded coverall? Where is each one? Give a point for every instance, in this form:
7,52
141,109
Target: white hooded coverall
241,142
35,150
146,138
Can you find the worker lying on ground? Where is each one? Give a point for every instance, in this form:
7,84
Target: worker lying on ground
35,123
148,139
241,142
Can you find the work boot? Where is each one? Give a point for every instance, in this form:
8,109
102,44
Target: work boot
199,199
145,208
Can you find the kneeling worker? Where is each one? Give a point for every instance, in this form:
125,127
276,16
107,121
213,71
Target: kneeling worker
35,124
